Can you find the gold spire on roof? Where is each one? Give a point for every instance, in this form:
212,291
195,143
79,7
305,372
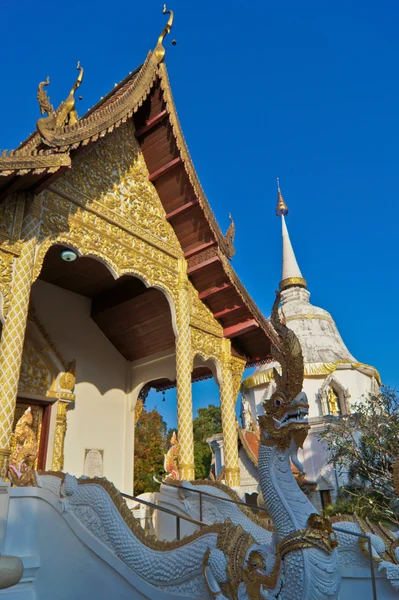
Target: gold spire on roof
159,49
281,208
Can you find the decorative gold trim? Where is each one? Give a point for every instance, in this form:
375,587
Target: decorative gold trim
299,281
311,370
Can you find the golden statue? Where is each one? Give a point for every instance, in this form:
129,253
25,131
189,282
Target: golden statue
24,456
333,402
171,462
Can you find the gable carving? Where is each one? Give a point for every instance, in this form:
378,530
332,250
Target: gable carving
111,176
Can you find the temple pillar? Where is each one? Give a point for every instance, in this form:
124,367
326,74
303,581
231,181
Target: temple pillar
59,436
183,378
13,334
231,370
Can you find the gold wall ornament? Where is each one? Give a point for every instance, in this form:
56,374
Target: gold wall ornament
201,317
13,334
6,271
64,116
110,178
229,237
35,376
11,215
24,456
206,345
59,436
92,236
159,50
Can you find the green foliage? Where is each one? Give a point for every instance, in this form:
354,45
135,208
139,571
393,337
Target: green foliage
364,445
150,446
207,424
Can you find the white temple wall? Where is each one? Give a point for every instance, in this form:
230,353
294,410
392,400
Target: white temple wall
101,418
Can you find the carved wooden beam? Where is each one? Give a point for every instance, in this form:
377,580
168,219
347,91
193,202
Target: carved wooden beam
203,264
214,290
240,328
227,311
181,209
199,249
151,123
165,169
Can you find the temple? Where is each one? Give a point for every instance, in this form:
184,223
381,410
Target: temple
115,277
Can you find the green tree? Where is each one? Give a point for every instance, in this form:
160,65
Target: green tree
150,446
363,446
207,424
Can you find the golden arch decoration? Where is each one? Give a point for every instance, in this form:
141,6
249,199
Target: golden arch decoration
122,253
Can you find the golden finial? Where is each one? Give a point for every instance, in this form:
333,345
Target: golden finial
281,208
159,49
229,237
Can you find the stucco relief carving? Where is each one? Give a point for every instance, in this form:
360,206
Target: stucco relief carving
6,269
111,177
35,376
201,316
91,235
11,215
206,345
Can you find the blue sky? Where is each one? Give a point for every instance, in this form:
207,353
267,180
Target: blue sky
306,91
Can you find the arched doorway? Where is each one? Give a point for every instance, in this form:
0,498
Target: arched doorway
108,326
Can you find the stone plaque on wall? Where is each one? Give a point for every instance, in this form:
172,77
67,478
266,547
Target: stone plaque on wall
93,463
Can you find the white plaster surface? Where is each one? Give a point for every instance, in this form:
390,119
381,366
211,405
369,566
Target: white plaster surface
101,417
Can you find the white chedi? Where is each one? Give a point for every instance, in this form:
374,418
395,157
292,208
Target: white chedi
334,378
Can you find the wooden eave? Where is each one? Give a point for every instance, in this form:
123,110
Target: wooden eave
145,95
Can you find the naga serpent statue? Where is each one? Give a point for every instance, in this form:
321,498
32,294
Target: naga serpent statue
237,559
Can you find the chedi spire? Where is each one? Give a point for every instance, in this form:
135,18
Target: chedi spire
291,273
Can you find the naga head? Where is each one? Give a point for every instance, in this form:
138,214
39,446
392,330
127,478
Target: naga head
286,411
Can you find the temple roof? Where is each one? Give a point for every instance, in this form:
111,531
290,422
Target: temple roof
145,96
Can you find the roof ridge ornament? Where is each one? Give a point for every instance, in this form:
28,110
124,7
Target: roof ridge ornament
65,114
229,238
281,208
159,50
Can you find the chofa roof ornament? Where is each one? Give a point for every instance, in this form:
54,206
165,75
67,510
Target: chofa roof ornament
159,50
229,238
66,113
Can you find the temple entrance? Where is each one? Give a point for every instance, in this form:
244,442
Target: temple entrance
120,334
41,421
